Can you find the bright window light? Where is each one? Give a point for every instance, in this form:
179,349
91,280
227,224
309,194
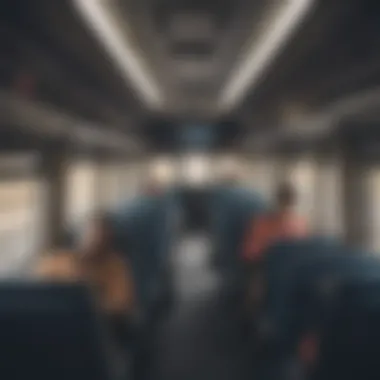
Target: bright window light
196,169
277,32
103,22
162,170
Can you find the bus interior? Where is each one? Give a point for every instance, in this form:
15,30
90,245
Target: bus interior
177,122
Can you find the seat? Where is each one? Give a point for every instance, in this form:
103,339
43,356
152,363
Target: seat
232,210
315,286
306,294
195,204
312,295
349,348
144,234
280,265
51,331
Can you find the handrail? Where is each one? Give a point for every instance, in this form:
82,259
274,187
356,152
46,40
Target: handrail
45,121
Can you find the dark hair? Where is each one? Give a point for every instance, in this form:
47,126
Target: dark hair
286,194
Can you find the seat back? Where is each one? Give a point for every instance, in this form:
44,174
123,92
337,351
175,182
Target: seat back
50,332
195,203
144,234
282,259
316,286
232,210
349,348
279,268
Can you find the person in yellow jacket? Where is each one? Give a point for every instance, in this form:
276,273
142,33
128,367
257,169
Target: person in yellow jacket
103,269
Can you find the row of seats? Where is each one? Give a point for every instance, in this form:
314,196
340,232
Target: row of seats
314,288
55,330
317,289
232,210
317,292
143,231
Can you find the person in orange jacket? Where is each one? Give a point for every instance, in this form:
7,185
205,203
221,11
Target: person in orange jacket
282,223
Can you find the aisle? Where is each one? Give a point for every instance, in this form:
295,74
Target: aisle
201,339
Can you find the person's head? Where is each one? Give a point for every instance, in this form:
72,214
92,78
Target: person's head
286,196
98,235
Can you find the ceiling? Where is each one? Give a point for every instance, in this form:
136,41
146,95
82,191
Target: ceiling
192,46
333,57
190,50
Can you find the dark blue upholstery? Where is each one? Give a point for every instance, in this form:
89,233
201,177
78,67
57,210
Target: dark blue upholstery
303,290
144,233
232,210
350,344
50,332
314,289
280,265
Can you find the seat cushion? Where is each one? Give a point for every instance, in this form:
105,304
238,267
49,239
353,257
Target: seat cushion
349,346
51,332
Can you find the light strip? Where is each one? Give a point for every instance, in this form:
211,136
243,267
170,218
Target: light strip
271,40
46,121
102,22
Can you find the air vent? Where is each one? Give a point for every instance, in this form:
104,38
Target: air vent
192,49
198,88
194,69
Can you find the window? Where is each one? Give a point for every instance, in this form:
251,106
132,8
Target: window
131,184
162,169
328,209
81,191
117,185
302,175
374,214
195,169
262,176
20,212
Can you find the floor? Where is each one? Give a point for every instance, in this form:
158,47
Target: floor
201,338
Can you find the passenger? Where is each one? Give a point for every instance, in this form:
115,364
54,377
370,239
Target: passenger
283,223
107,274
105,269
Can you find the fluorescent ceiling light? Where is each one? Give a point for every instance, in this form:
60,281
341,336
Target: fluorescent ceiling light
104,24
277,32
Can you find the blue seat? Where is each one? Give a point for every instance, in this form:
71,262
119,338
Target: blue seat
144,234
232,210
51,332
306,292
280,265
350,343
314,289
